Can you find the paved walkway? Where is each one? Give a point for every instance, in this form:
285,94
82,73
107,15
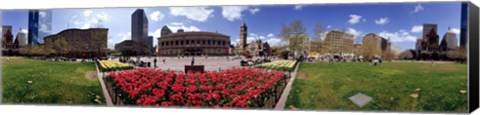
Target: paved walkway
106,95
283,99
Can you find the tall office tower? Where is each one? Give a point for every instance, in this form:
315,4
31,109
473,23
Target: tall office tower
140,26
39,26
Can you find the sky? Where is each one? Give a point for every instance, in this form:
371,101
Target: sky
400,22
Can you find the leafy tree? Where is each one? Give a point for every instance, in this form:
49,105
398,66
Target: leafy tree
60,46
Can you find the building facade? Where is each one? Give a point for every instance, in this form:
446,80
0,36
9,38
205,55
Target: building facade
427,28
339,43
20,39
375,43
131,48
140,29
449,41
91,41
193,43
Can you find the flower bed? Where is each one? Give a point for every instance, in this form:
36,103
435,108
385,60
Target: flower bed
109,65
241,87
281,65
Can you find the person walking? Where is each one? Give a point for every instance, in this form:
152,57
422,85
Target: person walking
193,61
155,62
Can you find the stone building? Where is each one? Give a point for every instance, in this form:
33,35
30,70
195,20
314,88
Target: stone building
339,43
131,48
184,43
91,41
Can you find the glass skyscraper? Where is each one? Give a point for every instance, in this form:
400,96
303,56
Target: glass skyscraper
464,24
39,26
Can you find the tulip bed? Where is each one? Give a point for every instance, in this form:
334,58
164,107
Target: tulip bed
281,65
236,88
109,65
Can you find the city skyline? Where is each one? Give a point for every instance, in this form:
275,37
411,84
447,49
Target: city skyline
401,22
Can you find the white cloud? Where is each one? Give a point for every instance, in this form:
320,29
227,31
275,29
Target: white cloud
418,8
155,34
400,36
455,30
270,38
232,13
354,19
44,28
124,36
24,31
102,16
174,26
88,20
157,15
354,32
417,29
382,21
200,14
42,14
270,35
254,10
329,26
298,7
87,13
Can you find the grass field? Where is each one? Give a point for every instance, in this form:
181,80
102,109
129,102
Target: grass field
28,81
327,86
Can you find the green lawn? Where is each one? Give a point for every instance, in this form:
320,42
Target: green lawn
51,82
327,86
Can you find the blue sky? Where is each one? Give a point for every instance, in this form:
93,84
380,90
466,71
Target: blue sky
398,21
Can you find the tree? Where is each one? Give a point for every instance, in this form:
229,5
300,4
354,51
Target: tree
98,42
370,49
407,54
25,50
388,55
318,30
60,45
317,45
295,34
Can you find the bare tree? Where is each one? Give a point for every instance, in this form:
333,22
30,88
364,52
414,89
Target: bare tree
318,30
369,49
295,34
406,55
98,42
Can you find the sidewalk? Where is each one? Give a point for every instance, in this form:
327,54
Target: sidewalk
283,99
106,95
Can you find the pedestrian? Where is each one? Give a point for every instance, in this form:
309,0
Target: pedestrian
193,61
163,60
155,62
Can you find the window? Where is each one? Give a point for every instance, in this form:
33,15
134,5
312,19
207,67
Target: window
208,42
163,43
188,42
176,42
203,42
181,42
